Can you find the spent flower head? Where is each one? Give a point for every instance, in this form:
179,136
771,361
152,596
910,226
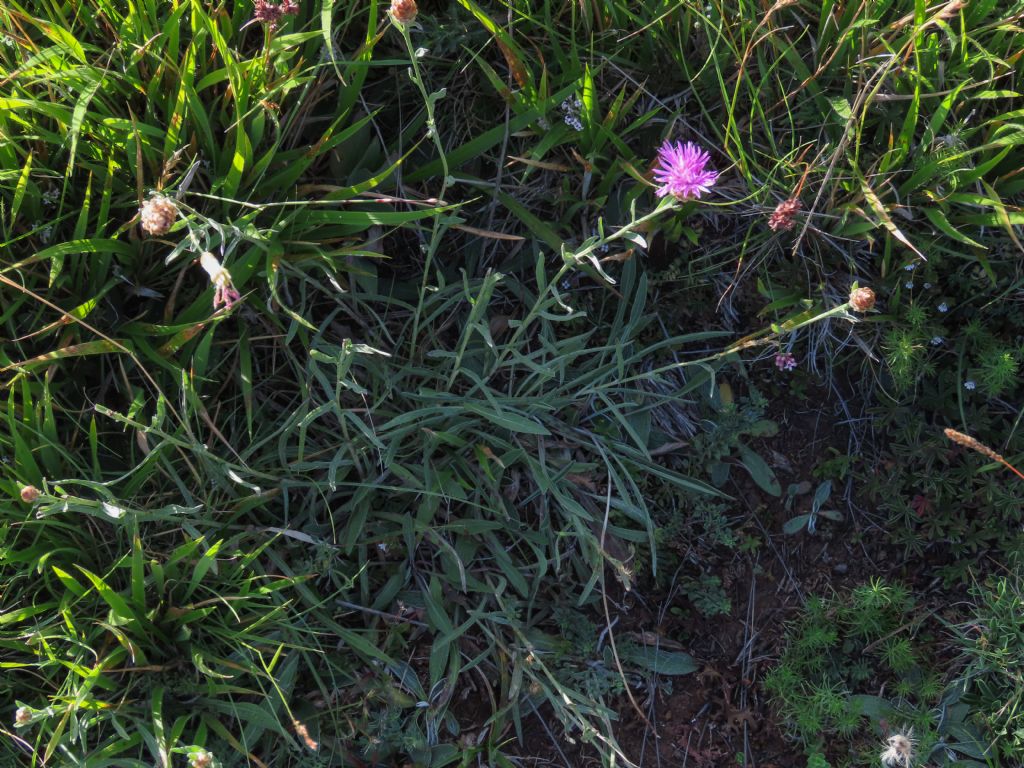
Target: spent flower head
682,171
900,750
23,716
784,215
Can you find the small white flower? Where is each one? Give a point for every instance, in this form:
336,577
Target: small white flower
571,113
909,284
937,341
382,546
911,267
970,384
23,716
927,285
943,307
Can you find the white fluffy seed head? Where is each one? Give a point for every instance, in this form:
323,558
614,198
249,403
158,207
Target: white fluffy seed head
900,751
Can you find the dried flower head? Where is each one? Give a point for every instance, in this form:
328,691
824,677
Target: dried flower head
29,493
23,716
784,215
683,171
900,751
224,291
404,11
157,215
975,445
303,733
862,299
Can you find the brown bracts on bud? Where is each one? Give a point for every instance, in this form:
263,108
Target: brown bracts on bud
29,493
157,215
862,299
404,11
784,216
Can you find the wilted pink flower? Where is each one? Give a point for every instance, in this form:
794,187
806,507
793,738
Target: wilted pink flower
224,293
682,170
784,361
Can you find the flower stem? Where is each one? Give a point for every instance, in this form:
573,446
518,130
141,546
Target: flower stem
435,236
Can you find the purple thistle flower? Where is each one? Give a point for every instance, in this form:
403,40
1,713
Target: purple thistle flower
682,170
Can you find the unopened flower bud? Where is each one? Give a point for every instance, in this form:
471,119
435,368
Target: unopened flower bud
23,716
404,11
862,299
29,493
158,215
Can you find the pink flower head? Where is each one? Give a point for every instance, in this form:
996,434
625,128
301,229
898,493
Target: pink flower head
268,13
225,296
682,171
784,361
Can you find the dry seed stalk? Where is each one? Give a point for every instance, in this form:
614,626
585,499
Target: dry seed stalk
975,445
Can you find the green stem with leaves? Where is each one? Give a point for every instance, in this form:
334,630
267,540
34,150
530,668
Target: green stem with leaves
429,100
